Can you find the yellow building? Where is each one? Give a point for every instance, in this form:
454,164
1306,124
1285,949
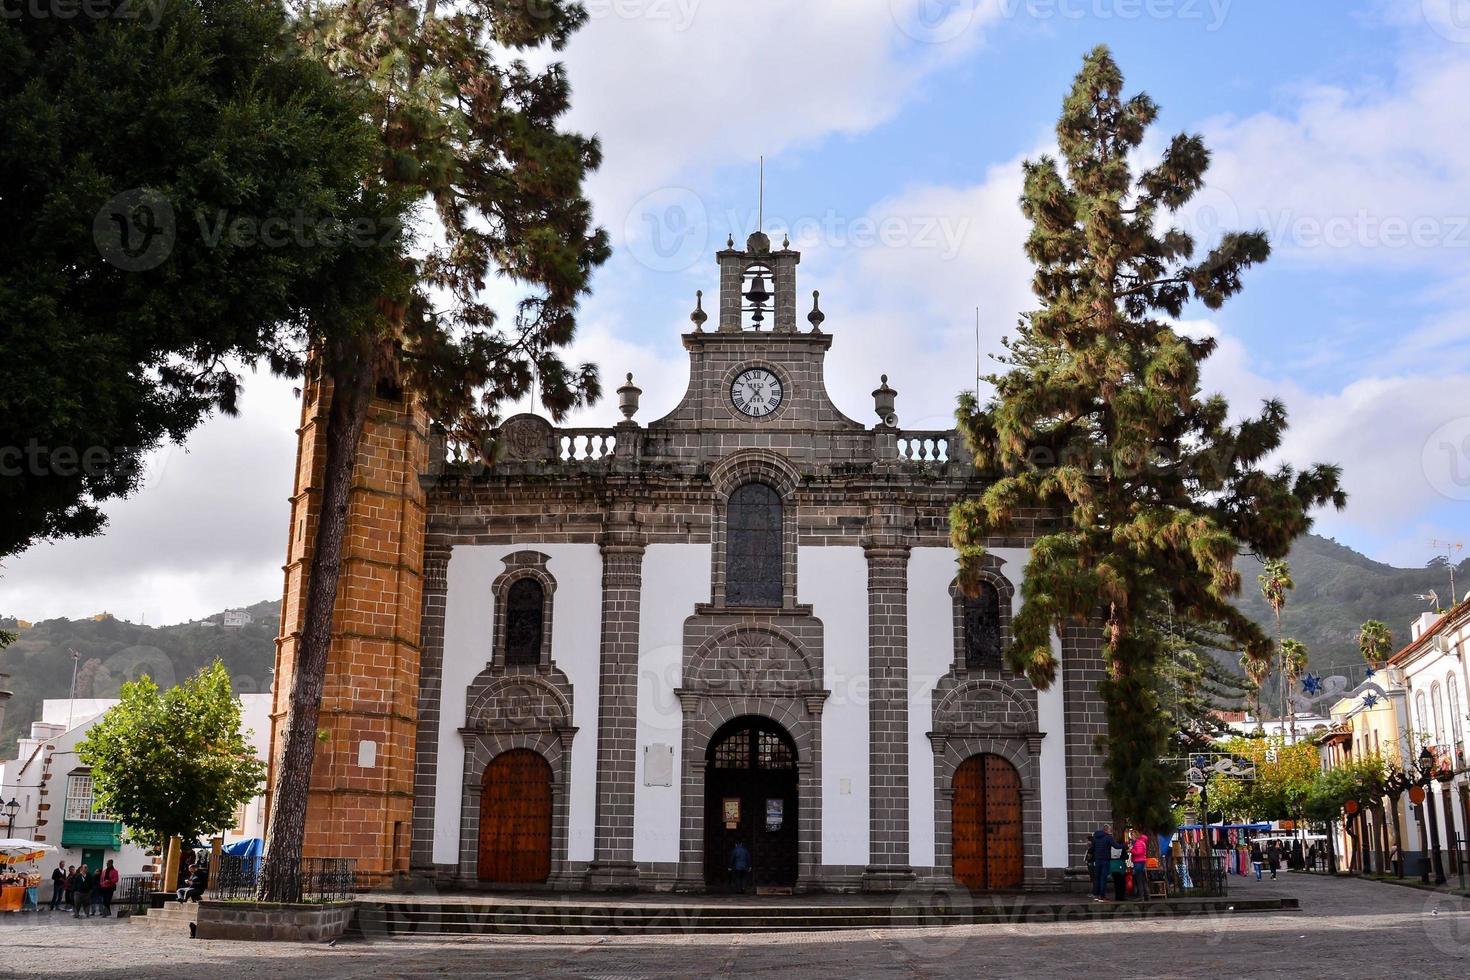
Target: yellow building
1373,720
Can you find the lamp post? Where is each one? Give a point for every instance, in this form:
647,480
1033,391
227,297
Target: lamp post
1427,772
12,809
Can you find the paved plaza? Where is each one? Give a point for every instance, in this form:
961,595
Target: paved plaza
1346,929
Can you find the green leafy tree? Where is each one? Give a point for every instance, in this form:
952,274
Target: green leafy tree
1100,421
1375,642
173,763
150,151
467,136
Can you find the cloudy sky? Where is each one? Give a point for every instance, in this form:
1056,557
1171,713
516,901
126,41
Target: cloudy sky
893,132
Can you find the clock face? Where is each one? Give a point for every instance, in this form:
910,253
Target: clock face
756,392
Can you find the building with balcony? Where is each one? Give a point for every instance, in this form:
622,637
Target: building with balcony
55,791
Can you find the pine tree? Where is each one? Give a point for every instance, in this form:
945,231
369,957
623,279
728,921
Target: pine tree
1100,422
471,135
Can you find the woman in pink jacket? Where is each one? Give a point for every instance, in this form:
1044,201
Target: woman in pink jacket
1138,850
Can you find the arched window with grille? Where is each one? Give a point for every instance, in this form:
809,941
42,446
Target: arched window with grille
525,605
1436,702
982,627
1457,730
754,551
1423,713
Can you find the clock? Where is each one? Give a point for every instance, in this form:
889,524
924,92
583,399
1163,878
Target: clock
756,392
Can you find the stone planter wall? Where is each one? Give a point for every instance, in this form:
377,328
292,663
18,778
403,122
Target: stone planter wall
271,922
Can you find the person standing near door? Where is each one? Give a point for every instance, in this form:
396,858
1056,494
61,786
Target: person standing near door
740,866
81,892
107,884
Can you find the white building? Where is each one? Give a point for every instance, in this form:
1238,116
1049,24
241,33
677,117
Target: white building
1435,681
55,790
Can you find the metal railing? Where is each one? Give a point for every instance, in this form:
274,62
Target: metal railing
1198,875
309,880
134,892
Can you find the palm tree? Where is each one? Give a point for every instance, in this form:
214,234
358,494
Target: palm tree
1275,579
1294,665
1375,641
1256,669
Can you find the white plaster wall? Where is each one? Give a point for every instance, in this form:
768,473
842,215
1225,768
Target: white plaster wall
575,649
931,653
675,578
834,582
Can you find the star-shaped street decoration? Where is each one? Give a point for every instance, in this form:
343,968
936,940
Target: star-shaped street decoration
1312,684
1370,699
1200,762
1369,672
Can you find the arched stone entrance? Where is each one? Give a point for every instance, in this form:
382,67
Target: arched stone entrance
752,796
515,819
987,824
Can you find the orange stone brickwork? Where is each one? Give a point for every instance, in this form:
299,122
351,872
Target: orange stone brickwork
361,802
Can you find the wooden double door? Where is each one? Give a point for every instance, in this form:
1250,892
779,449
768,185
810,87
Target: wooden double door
987,824
515,819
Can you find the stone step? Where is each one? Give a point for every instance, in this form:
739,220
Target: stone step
171,916
469,918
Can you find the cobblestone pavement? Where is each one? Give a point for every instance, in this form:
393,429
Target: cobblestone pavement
1346,929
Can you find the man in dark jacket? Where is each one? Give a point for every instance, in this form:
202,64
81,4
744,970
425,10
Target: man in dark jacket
740,865
58,886
1102,861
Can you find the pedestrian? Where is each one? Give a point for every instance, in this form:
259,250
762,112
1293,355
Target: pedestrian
106,886
81,892
58,885
1273,857
1102,862
71,879
94,885
1257,858
740,866
1139,849
1118,862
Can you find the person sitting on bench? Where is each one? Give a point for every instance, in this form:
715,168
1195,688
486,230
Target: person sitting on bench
193,886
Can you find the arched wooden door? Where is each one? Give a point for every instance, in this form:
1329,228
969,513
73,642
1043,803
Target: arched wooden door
987,824
515,818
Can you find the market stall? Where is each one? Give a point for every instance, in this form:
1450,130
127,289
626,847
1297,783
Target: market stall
20,885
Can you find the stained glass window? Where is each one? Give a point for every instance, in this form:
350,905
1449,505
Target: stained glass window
982,627
523,622
753,552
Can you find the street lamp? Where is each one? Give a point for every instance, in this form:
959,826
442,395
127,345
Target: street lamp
1427,771
12,810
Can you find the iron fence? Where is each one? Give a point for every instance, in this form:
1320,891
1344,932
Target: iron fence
134,892
1198,875
308,880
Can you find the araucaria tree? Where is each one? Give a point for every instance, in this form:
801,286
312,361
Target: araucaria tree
1100,422
468,141
172,763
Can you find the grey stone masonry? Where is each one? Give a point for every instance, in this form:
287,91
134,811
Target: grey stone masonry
1086,720
888,715
431,695
612,867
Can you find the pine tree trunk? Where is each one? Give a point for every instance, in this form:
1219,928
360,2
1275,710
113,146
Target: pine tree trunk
280,879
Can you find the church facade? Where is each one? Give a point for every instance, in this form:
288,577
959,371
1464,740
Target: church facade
609,656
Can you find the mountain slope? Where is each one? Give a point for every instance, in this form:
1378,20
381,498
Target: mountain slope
113,651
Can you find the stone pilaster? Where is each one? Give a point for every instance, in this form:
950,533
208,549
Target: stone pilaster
1085,719
617,710
888,715
431,700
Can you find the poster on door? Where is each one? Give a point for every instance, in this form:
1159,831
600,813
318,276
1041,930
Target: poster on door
775,812
732,812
